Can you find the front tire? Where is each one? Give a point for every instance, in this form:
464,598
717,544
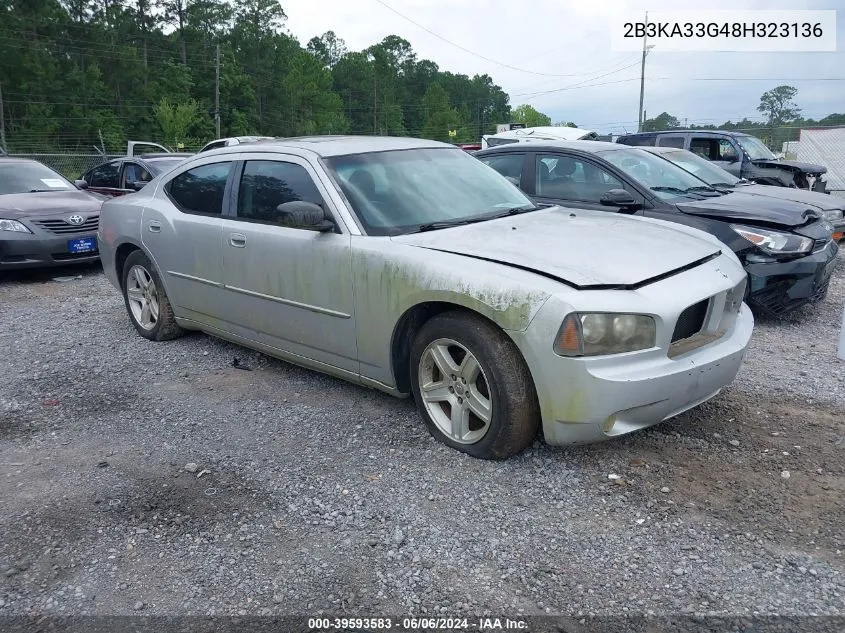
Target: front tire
472,387
146,302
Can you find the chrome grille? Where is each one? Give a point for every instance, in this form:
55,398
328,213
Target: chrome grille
60,226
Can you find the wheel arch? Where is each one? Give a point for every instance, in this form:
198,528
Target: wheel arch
405,331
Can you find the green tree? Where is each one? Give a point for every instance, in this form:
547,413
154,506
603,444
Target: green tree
440,118
663,121
175,120
778,106
531,117
328,48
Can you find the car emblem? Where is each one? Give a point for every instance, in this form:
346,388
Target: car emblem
75,219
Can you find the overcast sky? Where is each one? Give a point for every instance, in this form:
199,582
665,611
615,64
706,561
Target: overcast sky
567,42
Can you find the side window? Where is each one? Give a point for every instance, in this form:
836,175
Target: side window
133,172
104,176
266,184
672,141
568,178
509,165
201,189
638,140
705,147
216,145
727,151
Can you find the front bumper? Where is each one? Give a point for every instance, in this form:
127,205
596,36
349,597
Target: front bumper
585,400
778,288
41,250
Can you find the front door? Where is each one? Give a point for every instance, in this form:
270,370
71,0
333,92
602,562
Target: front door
287,287
572,181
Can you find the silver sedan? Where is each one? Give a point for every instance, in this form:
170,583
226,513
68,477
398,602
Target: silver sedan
408,266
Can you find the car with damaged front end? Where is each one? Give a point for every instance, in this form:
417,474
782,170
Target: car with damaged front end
408,266
786,246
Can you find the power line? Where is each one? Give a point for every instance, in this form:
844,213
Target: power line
466,50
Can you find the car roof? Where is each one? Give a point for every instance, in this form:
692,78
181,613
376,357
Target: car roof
722,132
162,155
584,146
327,146
8,160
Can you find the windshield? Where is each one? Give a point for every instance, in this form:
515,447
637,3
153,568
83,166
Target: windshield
700,167
755,148
398,191
664,178
30,177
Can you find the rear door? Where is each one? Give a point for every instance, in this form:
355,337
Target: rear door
105,178
181,228
511,165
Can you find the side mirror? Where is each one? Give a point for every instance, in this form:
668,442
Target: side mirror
80,184
619,198
305,215
135,186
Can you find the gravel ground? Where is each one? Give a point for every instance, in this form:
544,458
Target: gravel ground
158,479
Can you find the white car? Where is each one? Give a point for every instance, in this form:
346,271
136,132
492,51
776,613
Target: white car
234,140
411,267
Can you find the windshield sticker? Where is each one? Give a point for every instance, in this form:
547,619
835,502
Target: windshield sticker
54,183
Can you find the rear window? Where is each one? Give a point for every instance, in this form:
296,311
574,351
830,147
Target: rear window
638,140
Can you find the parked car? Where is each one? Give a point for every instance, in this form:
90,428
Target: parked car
742,155
786,248
539,133
44,219
408,266
128,174
831,208
234,140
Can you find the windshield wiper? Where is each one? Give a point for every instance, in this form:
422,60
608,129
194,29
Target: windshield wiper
41,190
670,189
723,184
445,224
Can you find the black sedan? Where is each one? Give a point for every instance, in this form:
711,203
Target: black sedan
832,208
128,174
44,219
786,247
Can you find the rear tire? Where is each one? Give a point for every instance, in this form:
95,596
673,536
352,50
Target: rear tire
472,386
146,302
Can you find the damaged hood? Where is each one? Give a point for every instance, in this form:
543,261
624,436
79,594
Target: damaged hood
808,198
738,206
581,248
14,206
791,165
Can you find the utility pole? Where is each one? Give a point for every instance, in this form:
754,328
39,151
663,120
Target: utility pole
217,93
2,123
642,75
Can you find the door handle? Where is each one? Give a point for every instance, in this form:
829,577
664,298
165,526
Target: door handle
238,240
155,226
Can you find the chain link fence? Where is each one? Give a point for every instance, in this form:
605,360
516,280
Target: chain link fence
71,166
825,147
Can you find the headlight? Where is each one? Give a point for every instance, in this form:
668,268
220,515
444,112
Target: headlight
13,225
774,242
832,215
597,333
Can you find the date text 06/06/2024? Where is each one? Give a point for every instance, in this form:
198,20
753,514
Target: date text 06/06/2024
415,624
